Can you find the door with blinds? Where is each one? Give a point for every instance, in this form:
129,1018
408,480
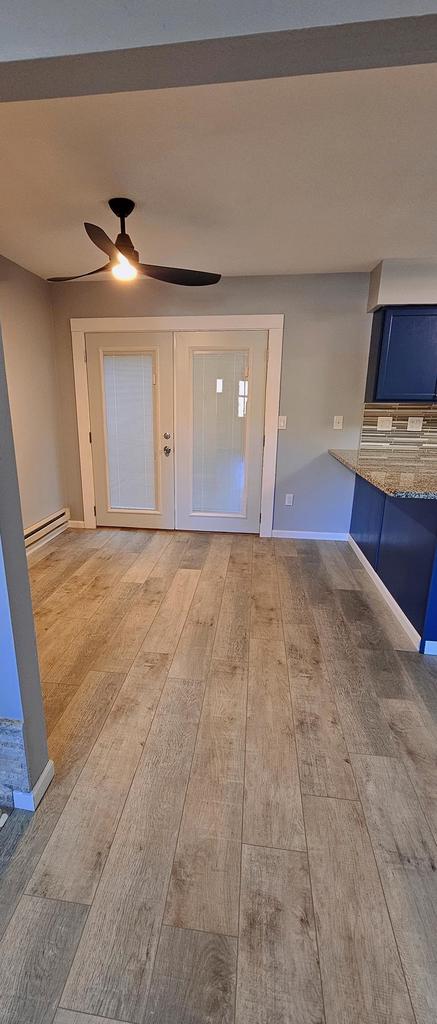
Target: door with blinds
130,383
206,475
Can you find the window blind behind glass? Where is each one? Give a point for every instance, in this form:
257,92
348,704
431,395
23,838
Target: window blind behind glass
128,384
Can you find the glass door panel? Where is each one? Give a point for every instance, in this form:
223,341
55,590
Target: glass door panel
220,396
220,390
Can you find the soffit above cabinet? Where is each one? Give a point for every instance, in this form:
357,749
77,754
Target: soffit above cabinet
403,283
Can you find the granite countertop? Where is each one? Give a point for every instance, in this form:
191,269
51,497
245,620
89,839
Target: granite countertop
406,480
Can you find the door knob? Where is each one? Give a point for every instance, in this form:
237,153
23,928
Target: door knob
167,450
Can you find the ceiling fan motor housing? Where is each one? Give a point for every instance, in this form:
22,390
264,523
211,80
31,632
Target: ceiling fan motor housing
121,207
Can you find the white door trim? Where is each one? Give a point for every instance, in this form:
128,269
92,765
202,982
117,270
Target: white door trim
273,323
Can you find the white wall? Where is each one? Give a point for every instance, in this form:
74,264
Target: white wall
26,321
326,344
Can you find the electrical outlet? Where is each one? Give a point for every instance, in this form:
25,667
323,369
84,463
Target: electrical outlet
415,423
338,423
289,498
282,422
384,423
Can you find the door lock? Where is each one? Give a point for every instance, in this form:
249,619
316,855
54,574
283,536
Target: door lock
167,450
167,436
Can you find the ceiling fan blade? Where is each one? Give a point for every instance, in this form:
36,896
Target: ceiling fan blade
174,275
101,240
76,278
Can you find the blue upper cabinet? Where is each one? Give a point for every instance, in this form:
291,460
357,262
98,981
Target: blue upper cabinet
403,355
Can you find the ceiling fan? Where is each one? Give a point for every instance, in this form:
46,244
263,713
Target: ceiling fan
124,260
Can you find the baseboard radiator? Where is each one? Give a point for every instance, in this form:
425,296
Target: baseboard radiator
47,528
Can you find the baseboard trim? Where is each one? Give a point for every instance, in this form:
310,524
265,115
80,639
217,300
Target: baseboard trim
308,535
388,597
29,801
76,524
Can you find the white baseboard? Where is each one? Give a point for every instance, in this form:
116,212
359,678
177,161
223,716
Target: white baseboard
308,535
29,801
388,597
76,524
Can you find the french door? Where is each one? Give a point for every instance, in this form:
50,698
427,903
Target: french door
177,423
130,384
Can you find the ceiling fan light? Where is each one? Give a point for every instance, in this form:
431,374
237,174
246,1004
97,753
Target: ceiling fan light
123,270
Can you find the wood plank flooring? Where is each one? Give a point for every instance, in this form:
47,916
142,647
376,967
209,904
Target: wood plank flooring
242,825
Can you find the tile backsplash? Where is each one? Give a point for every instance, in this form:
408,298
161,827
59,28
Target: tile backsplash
399,443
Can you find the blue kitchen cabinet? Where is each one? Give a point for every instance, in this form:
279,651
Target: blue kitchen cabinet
366,521
406,556
403,355
398,536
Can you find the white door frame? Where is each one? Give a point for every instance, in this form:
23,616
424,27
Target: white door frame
274,324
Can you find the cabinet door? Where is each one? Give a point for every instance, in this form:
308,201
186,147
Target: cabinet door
408,362
406,554
366,521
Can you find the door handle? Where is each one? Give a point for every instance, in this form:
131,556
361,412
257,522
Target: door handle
167,450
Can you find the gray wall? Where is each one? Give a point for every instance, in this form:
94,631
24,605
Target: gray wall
20,690
326,344
26,322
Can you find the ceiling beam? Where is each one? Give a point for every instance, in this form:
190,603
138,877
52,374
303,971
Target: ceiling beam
392,42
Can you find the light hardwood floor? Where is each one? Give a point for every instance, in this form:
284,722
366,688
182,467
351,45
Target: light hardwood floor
242,826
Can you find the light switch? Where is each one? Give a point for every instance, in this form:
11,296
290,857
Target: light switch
338,423
384,423
282,422
289,498
415,423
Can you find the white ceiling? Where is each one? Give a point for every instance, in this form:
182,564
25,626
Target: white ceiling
303,175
